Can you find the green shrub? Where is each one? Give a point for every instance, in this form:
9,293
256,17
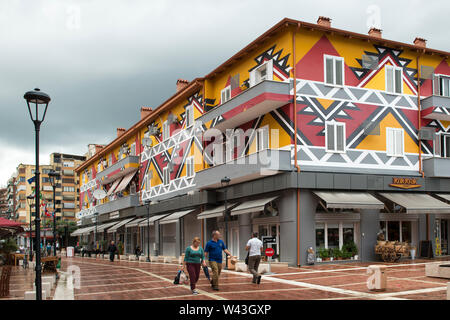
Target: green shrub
323,253
351,248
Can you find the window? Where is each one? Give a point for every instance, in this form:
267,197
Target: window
397,230
189,116
67,180
262,138
69,172
333,235
261,73
166,176
335,136
394,79
320,235
110,160
68,164
442,145
334,70
394,144
441,85
148,181
190,167
225,95
68,189
166,130
133,149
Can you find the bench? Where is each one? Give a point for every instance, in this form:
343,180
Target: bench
4,281
50,263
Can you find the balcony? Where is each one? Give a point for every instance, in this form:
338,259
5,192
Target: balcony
119,169
258,100
254,166
118,204
437,167
436,107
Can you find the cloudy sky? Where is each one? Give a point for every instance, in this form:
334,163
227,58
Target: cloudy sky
100,60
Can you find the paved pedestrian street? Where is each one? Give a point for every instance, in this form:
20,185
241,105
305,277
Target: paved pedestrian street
131,280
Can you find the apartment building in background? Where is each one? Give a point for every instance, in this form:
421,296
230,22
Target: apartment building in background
327,136
66,201
4,202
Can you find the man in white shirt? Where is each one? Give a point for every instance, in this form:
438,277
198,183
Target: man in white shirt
254,248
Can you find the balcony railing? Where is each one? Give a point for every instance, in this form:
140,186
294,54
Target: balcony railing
118,204
437,167
254,166
258,100
436,107
119,169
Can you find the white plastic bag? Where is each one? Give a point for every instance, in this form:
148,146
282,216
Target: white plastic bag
184,278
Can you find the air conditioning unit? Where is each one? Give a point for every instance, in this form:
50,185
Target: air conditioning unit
426,72
153,130
171,118
371,128
426,133
369,62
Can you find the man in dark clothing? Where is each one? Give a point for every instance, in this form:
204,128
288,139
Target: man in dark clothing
112,250
137,252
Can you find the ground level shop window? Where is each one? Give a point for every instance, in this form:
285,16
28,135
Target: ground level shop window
335,240
396,230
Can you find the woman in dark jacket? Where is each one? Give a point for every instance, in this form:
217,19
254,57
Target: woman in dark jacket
112,250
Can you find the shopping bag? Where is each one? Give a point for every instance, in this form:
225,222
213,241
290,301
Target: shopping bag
246,258
183,278
206,271
177,278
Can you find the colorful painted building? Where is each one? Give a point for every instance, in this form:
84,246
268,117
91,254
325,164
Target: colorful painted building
329,137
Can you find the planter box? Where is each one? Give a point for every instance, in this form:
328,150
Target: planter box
169,259
132,258
143,258
123,257
154,259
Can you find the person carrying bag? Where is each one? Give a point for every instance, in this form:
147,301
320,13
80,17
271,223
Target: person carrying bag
194,257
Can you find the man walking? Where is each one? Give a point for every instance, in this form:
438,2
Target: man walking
112,250
254,248
213,251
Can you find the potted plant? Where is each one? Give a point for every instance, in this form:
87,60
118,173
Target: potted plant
337,254
331,253
323,254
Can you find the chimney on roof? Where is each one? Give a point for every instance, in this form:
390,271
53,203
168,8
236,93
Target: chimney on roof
420,42
120,131
375,32
181,83
145,111
324,21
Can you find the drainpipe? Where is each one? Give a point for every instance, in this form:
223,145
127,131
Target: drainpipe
419,114
295,140
419,107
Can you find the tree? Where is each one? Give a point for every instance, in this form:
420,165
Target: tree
64,228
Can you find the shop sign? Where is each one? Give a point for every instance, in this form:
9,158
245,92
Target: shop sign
114,215
405,183
269,239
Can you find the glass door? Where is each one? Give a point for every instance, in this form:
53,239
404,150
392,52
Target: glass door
272,230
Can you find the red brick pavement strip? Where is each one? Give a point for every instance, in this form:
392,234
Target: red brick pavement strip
237,286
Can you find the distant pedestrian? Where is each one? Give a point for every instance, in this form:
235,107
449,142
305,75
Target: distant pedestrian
213,251
137,252
112,251
49,249
194,257
254,248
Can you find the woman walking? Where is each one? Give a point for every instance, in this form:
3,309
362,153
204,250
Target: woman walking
194,257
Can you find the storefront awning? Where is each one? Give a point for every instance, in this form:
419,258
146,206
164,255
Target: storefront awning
103,227
252,206
120,224
174,217
215,212
82,231
113,187
134,223
349,200
125,181
418,202
152,220
444,196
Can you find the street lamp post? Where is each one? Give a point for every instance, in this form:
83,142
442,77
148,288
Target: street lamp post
40,101
53,175
147,203
30,200
225,182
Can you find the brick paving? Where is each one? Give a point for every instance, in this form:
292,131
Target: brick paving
131,280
